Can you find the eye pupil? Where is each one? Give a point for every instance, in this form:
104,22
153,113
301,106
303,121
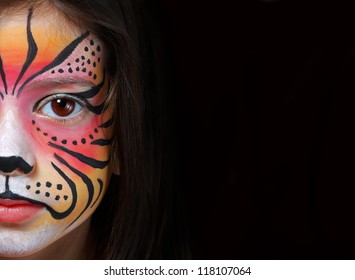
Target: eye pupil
62,106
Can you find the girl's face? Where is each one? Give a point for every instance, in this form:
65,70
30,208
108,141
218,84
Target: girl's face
55,129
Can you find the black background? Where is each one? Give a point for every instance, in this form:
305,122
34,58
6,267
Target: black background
263,105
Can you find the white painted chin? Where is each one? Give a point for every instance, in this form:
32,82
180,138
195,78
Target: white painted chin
16,242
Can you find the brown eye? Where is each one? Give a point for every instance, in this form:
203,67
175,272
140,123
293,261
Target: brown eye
62,106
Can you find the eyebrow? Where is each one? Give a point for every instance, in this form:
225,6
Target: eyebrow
55,81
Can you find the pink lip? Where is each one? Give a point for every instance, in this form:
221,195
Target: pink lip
16,211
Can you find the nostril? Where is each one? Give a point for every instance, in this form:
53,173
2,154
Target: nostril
10,164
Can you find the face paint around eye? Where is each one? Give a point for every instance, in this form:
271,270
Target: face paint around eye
55,146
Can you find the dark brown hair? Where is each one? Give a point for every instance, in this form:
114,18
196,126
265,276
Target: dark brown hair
134,220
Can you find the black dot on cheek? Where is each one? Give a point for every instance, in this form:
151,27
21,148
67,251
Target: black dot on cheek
47,194
88,61
93,53
54,138
94,76
38,184
91,136
83,140
98,48
59,187
48,184
86,49
70,70
64,141
82,64
53,72
77,60
90,73
28,187
65,197
57,197
38,191
82,57
77,68
38,129
94,64
68,64
33,122
84,70
95,130
75,142
91,42
98,59
61,71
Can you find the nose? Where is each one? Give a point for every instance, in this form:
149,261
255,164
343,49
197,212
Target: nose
16,156
14,163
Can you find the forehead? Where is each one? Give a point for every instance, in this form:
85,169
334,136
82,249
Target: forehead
47,34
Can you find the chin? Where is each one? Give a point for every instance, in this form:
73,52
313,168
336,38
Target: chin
17,243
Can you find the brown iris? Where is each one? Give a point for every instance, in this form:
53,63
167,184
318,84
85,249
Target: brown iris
62,106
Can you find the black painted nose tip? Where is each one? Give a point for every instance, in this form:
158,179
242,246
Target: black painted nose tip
10,164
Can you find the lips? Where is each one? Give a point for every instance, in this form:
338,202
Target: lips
16,211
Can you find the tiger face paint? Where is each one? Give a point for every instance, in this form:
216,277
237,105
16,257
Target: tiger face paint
55,130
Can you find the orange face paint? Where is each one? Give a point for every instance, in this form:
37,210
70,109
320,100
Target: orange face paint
55,130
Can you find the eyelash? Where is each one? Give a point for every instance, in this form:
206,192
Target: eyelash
63,121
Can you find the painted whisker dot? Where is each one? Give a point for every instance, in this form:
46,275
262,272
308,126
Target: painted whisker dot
59,187
77,60
28,187
77,68
94,64
70,70
90,73
54,138
69,64
57,197
64,141
91,136
96,130
84,70
38,184
33,122
88,61
38,129
91,42
47,194
38,191
94,76
82,64
61,71
53,72
65,197
82,57
98,48
45,133
75,142
86,49
83,140
48,184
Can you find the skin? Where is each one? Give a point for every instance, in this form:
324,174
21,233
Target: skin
65,152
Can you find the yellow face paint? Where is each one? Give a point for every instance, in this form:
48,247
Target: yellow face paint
55,130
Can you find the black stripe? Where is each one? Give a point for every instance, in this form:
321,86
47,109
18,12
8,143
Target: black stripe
87,160
71,184
86,181
93,91
3,78
100,191
31,52
63,55
102,142
107,124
